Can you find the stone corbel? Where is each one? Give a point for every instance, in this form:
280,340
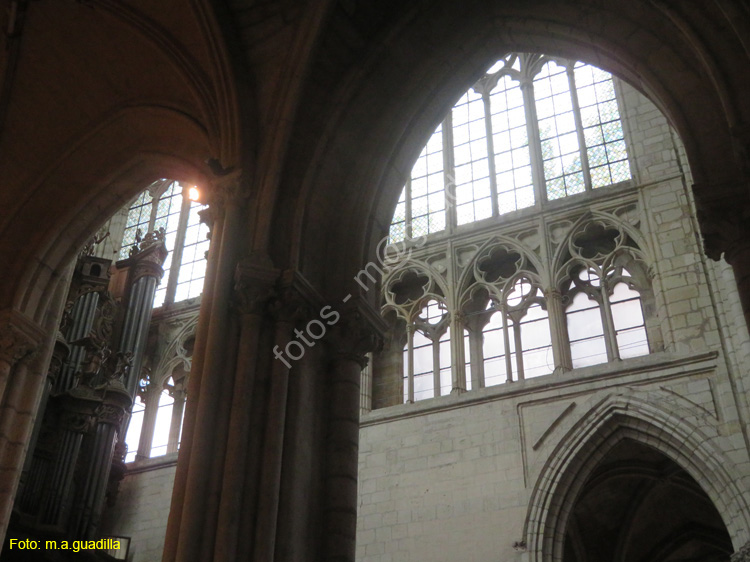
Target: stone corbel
724,218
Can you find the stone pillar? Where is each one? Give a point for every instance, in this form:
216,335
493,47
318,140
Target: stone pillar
292,305
40,465
358,332
19,394
192,526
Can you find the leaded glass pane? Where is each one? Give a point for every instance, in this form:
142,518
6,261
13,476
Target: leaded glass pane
470,156
510,140
602,126
560,147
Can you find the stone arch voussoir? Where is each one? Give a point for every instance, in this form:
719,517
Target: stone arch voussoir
634,415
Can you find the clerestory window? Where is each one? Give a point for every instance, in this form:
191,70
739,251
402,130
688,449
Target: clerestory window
533,129
555,288
172,206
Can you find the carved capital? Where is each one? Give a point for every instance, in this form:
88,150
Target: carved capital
227,190
742,555
553,293
724,217
19,337
255,285
296,299
359,330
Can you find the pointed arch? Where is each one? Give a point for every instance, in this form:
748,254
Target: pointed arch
633,415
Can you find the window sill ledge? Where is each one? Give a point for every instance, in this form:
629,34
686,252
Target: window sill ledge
154,463
666,363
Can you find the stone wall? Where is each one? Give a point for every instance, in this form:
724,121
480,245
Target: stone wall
463,477
142,507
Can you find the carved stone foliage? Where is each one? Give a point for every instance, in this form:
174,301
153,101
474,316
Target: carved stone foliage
359,331
742,555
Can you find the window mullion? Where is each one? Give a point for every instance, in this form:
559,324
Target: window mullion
179,244
506,343
449,173
175,425
407,211
490,152
458,355
610,338
150,411
410,364
152,217
519,348
579,128
535,143
436,366
476,356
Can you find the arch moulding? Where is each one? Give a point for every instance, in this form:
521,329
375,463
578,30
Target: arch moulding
636,416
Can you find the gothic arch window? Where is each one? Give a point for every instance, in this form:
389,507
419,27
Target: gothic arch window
155,427
427,354
506,314
603,289
503,297
174,207
533,129
134,427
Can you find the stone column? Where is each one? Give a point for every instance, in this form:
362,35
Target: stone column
39,466
288,309
175,424
192,526
19,394
358,332
255,286
150,410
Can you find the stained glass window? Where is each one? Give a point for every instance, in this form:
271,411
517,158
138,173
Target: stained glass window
165,204
499,161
